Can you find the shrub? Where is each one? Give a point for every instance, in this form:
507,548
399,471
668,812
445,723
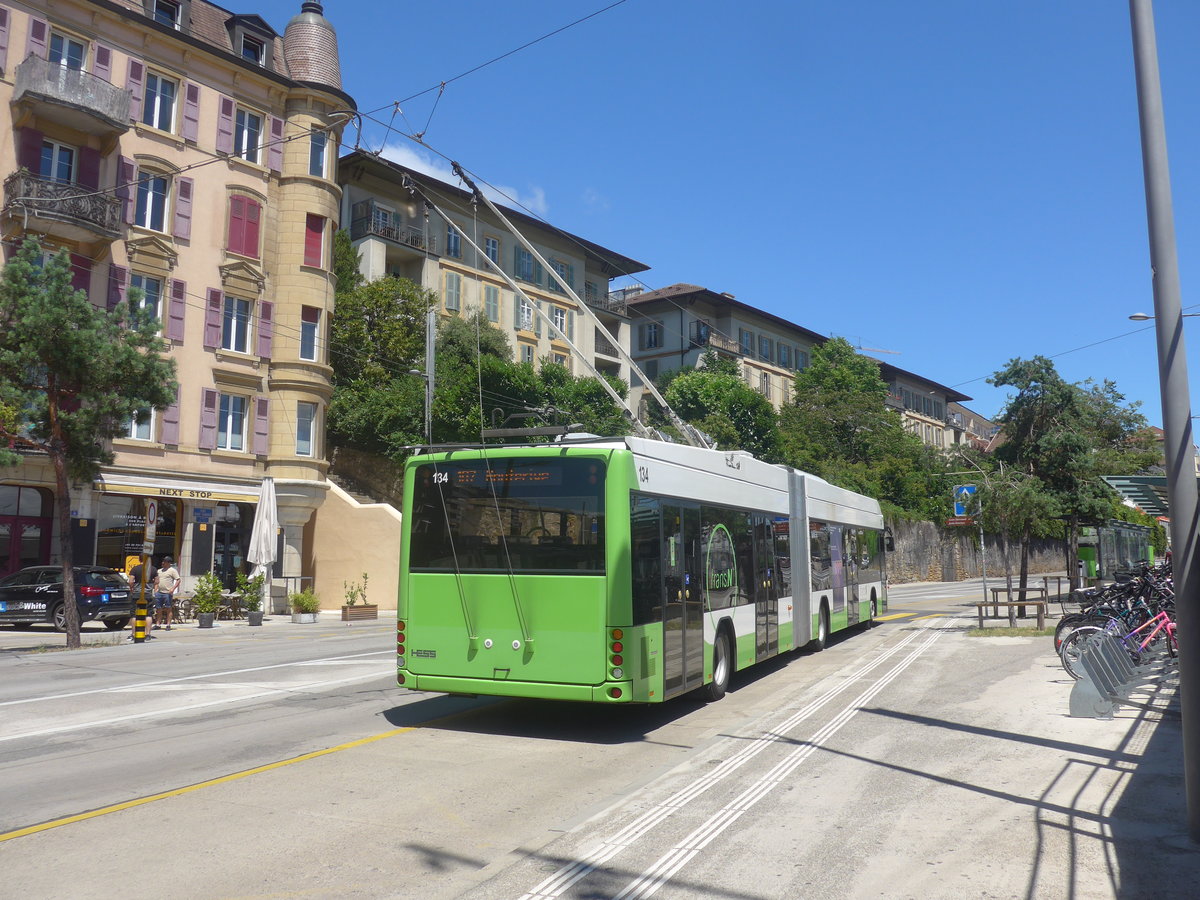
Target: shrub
305,601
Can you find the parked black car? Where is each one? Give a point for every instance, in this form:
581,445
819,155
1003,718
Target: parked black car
35,594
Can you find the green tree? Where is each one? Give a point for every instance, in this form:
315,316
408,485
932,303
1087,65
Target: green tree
727,409
72,376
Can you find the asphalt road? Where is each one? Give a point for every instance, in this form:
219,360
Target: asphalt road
907,760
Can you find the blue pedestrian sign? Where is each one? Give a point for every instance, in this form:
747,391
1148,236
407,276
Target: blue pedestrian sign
964,495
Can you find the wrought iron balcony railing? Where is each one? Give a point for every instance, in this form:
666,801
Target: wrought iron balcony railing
35,197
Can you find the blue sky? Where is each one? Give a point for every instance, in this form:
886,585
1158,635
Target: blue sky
959,181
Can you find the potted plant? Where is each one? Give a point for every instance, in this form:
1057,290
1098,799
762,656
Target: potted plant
250,595
357,607
305,606
207,598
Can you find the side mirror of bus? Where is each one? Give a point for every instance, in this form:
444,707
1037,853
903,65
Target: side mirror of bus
889,542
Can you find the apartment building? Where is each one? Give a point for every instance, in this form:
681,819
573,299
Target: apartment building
969,428
675,325
190,152
396,235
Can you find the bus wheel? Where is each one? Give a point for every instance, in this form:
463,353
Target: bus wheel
722,667
874,608
822,638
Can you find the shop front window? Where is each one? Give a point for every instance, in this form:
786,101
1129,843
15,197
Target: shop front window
121,524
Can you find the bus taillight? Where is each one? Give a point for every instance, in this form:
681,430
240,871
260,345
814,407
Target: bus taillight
615,693
617,634
617,647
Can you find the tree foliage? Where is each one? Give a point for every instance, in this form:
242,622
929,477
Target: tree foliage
72,378
727,409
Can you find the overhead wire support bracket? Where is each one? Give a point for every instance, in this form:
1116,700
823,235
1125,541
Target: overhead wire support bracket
690,434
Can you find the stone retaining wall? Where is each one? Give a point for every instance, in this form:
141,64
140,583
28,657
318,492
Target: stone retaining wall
927,552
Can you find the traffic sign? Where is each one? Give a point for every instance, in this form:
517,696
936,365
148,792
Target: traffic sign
151,524
963,495
961,520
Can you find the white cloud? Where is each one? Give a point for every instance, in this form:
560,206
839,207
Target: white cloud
409,155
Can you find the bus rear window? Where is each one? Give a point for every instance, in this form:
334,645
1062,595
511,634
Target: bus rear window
522,515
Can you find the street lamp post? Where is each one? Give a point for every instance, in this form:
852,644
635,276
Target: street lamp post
1173,382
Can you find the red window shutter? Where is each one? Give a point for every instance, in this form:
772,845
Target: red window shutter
191,111
29,151
134,83
212,319
183,207
118,282
314,239
266,328
176,310
237,223
275,151
102,62
4,20
262,426
253,215
89,168
39,34
81,272
225,110
208,419
170,423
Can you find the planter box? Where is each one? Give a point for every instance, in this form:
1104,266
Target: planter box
304,618
360,612
205,620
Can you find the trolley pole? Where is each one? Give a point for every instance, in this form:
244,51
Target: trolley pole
1173,383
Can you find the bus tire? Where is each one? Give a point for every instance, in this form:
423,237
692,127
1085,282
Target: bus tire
822,638
722,667
874,609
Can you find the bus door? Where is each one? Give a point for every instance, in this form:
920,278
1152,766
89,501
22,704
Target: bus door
766,590
838,570
683,623
852,556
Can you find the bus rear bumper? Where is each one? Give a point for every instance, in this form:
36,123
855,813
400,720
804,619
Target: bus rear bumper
608,692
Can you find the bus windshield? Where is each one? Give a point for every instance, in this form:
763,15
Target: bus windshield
511,514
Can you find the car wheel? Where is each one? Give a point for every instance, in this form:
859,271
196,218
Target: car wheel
59,617
115,624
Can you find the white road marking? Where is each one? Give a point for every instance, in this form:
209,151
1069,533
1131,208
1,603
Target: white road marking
578,869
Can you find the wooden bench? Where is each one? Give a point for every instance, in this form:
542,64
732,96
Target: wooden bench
1015,608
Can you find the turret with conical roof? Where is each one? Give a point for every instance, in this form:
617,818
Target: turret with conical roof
310,47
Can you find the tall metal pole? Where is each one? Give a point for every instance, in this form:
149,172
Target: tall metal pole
430,340
1176,403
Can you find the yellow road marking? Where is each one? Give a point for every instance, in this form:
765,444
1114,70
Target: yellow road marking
892,616
141,801
931,616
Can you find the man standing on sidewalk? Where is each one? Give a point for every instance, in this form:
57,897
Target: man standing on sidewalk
164,592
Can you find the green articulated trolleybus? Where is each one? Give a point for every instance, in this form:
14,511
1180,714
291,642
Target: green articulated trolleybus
622,570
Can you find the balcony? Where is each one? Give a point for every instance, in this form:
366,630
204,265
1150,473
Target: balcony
702,334
606,302
72,98
62,209
369,220
605,346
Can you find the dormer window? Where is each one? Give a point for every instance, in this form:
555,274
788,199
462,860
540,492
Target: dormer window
252,49
166,12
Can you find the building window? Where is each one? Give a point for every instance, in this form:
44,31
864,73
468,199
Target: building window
166,12
561,359
151,289
253,49
527,353
558,316
306,417
244,216
525,320
565,272
524,267
66,51
453,242
158,107
491,302
801,360
453,293
314,241
231,422
58,162
764,347
764,384
247,135
310,323
317,142
235,325
491,248
746,340
785,356
651,335
142,430
151,210
591,293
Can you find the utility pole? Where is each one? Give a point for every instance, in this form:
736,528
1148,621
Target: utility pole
1173,383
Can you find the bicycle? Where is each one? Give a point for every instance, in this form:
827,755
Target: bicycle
1134,642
